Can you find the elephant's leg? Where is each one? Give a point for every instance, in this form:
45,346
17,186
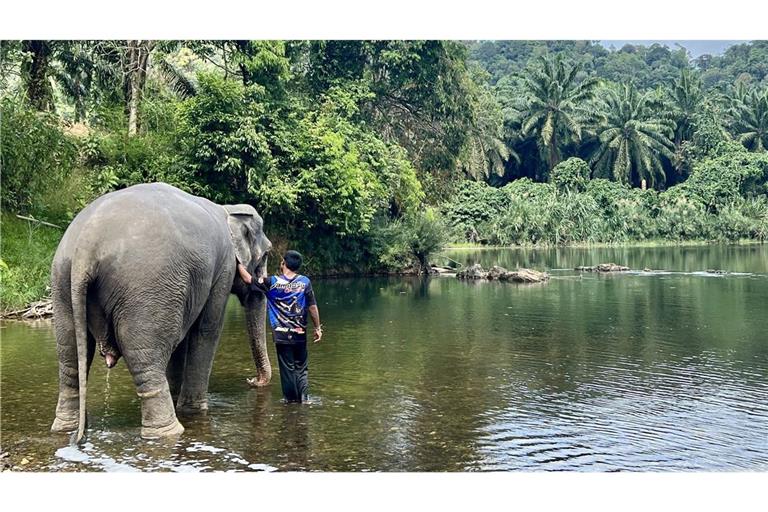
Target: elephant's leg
202,340
68,405
175,370
147,350
67,408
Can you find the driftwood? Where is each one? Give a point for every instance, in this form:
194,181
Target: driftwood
603,267
39,221
36,310
522,275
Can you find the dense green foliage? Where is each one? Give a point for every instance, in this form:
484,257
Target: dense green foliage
723,200
369,155
25,266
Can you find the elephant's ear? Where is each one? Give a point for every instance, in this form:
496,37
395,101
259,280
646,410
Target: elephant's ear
237,220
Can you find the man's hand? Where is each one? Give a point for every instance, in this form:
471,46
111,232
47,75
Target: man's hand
318,334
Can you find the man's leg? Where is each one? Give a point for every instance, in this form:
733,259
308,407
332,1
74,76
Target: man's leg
301,366
286,363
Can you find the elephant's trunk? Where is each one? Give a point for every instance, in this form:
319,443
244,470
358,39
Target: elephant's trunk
256,313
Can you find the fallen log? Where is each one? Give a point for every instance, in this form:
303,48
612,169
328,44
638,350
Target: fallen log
36,310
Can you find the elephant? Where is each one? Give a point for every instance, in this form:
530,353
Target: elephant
145,273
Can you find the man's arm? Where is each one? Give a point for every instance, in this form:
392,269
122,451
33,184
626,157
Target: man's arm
315,314
309,294
253,284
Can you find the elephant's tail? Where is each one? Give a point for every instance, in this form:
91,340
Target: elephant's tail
79,283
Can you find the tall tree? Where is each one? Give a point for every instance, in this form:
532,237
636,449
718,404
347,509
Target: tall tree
135,62
751,120
420,91
556,106
686,97
634,137
35,70
486,152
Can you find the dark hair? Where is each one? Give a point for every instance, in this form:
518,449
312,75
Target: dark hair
292,260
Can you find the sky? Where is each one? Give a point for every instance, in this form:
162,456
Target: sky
695,48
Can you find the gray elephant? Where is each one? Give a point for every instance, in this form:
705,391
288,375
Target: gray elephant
145,273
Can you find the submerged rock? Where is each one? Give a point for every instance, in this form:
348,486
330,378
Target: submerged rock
472,272
522,275
603,267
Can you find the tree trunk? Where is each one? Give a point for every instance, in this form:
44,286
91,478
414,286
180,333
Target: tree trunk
553,154
35,72
134,77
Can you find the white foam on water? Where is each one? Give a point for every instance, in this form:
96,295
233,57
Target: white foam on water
262,467
200,447
72,454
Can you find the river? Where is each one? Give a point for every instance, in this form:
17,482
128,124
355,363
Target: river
638,371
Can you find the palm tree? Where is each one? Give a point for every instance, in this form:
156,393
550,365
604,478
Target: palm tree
486,151
556,106
633,139
686,97
750,114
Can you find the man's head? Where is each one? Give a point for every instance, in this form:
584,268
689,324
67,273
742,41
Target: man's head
292,260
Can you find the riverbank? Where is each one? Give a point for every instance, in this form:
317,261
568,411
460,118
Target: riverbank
26,253
597,245
27,249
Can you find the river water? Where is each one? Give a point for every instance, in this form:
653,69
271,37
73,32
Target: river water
641,371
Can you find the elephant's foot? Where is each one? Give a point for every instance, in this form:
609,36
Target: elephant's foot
187,406
171,430
67,410
158,417
258,382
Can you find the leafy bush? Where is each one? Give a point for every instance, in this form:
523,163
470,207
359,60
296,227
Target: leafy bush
723,200
572,175
223,138
410,241
682,218
424,235
36,155
472,204
729,173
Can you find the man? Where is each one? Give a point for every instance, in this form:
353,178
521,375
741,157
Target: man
289,297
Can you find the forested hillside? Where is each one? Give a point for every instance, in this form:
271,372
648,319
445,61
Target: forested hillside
368,155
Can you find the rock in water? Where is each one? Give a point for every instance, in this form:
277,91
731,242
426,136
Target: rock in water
526,275
522,275
603,267
472,272
497,272
611,267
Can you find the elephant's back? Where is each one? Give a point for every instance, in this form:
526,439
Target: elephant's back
150,223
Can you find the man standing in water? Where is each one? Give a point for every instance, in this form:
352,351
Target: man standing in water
289,297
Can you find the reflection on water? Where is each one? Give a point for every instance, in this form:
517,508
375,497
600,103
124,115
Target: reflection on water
661,371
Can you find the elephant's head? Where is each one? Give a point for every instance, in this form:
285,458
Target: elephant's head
251,248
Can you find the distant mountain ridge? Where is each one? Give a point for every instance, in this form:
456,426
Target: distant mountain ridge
696,48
